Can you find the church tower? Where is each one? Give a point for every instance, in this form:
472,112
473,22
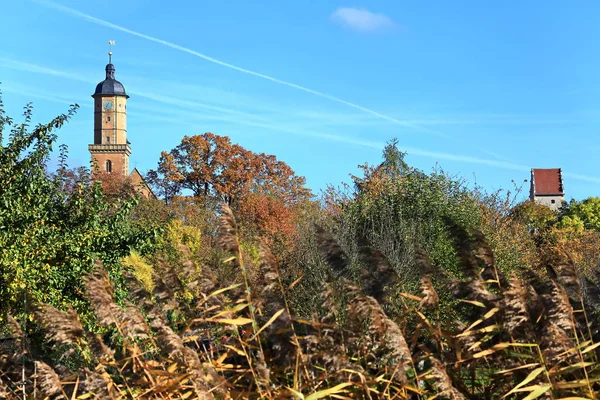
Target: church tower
110,151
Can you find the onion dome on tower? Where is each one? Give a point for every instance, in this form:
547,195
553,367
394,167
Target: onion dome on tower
110,86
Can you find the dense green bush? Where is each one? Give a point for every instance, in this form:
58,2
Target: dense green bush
52,226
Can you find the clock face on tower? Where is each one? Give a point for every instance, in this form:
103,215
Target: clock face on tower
107,105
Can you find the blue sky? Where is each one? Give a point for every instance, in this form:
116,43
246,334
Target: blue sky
487,90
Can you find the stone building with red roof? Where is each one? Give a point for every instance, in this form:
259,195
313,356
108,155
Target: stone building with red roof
547,187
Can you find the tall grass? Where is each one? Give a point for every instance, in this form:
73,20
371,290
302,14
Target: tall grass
528,336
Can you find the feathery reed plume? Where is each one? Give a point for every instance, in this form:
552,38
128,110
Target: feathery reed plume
474,289
170,343
14,349
3,390
48,381
61,327
567,275
325,348
422,261
559,308
379,276
465,344
137,291
133,322
386,332
168,275
474,251
442,382
197,283
271,292
516,319
202,376
164,295
100,294
430,297
99,384
228,240
331,250
591,292
14,328
558,324
485,257
279,331
462,244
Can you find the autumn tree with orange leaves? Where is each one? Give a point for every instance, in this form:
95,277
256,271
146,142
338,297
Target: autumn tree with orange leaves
209,165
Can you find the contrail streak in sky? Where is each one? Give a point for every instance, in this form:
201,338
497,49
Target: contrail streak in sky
99,21
23,66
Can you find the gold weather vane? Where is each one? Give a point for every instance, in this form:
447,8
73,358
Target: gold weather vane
111,43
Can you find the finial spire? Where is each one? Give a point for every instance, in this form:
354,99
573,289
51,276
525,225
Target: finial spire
111,43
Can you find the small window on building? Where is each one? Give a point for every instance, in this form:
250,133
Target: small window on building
108,139
107,119
108,166
552,201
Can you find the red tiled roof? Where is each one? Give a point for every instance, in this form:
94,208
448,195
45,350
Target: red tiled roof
547,181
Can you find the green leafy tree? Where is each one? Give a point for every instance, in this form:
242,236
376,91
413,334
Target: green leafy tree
52,226
396,207
582,215
535,216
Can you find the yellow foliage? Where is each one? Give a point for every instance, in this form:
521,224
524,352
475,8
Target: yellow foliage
250,252
190,236
142,270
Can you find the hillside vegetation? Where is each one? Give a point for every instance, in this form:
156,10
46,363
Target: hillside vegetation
401,285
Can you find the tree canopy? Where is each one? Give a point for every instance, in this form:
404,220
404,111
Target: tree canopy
583,214
53,225
210,165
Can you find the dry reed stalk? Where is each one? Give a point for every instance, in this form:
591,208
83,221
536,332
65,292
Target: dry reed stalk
516,321
14,349
463,245
138,293
132,322
430,297
568,276
48,381
465,345
99,384
280,332
485,257
4,393
331,250
442,382
61,327
100,294
228,240
386,332
558,330
379,276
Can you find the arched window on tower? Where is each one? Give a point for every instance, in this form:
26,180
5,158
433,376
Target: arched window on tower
108,166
